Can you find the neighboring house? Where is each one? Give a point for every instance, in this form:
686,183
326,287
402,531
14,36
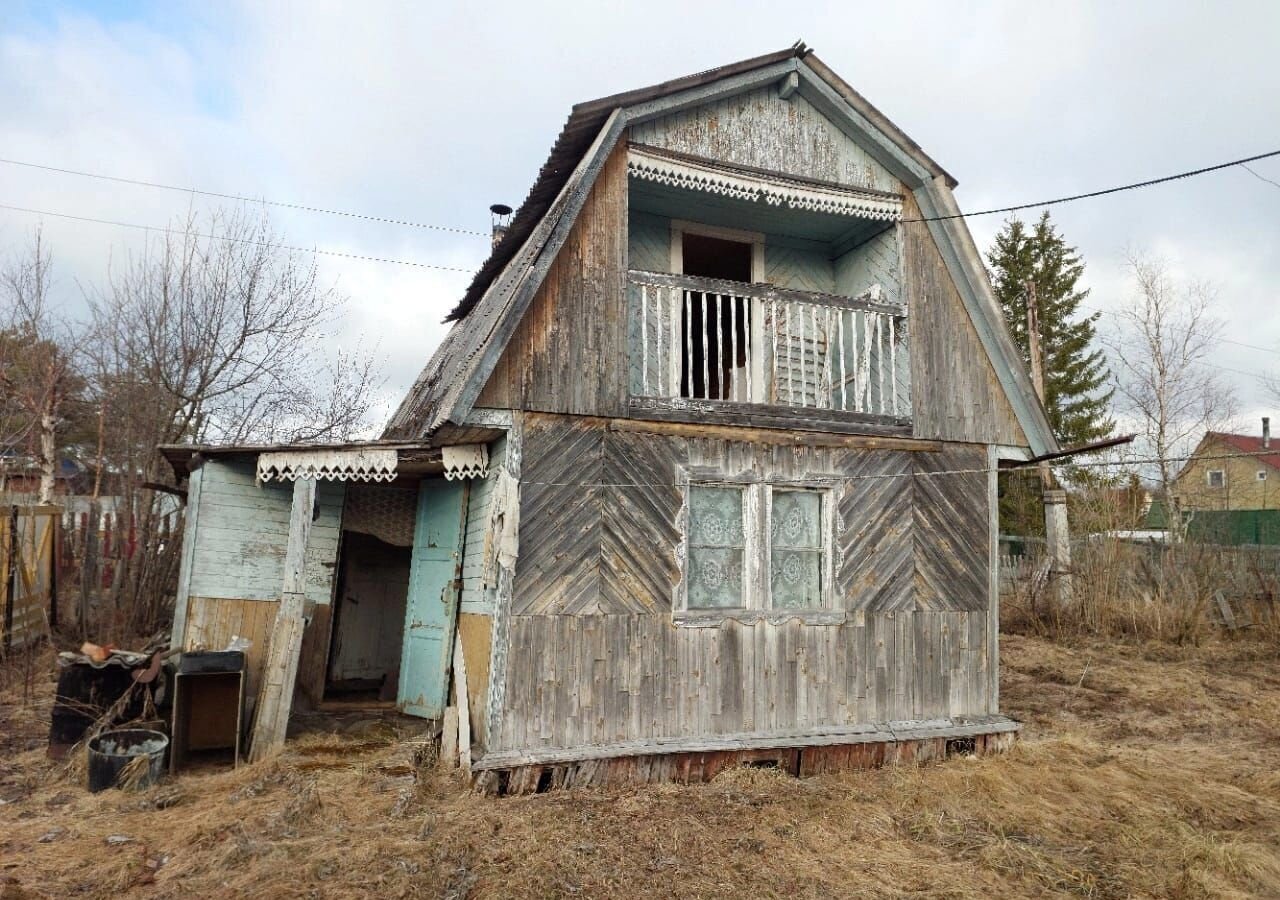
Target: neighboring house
20,475
704,471
1230,472
1229,490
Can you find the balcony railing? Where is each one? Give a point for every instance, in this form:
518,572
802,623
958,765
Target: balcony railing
703,339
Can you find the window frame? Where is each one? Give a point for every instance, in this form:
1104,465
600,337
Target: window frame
1208,478
757,514
1262,475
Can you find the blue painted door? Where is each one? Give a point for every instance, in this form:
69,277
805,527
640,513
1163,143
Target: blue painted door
435,581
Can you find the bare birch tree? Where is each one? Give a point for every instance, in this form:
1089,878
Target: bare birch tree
39,364
1160,348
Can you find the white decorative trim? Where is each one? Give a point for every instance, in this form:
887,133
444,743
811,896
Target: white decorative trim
466,461
774,190
367,464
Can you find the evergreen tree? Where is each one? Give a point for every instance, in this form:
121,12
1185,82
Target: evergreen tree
1075,371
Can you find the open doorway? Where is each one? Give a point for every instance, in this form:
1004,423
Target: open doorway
716,325
372,586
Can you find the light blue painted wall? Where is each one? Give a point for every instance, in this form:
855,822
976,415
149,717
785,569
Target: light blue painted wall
875,262
798,269
476,598
649,243
242,530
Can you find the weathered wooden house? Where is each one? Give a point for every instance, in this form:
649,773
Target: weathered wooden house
719,418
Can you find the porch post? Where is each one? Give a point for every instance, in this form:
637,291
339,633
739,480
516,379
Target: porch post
275,696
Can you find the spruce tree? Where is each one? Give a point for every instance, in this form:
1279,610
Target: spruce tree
1076,375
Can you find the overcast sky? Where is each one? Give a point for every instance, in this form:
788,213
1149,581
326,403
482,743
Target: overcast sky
431,112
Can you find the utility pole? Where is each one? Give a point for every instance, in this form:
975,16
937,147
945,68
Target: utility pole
1057,531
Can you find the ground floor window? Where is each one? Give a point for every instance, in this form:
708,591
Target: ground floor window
757,546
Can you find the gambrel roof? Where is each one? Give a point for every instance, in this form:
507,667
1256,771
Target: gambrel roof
505,285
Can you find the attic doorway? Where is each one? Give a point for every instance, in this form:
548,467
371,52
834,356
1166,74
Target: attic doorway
716,325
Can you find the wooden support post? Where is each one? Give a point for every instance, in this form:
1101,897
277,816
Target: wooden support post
1057,531
280,671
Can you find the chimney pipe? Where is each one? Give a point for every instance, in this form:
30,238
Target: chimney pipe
501,222
1266,432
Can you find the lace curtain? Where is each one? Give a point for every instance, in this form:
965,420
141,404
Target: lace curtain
717,547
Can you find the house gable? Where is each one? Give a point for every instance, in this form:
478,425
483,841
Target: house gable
843,133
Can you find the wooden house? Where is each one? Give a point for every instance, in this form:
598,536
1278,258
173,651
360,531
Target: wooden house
720,419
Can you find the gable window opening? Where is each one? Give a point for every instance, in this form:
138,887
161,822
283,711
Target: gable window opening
715,357
787,529
1262,474
1217,478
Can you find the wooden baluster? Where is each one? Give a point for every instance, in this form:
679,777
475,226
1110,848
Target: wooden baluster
706,353
893,365
800,344
844,375
880,360
644,339
864,371
661,357
733,347
688,338
774,328
719,312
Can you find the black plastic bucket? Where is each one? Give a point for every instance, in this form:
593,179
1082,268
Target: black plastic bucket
111,751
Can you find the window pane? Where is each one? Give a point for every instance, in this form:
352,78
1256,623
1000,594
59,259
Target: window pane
796,519
715,577
715,517
796,578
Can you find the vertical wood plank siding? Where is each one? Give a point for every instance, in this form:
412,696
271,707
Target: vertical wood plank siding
565,355
593,655
955,393
479,546
760,129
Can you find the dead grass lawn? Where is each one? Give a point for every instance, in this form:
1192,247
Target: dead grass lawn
1145,770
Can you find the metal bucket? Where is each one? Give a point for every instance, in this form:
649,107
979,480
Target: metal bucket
111,751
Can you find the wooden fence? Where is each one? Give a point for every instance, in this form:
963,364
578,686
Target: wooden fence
28,588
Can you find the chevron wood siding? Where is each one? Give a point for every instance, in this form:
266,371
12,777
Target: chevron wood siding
593,655
950,528
800,270
561,509
649,243
876,261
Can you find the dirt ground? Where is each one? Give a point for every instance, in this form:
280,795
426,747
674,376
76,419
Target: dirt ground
1144,770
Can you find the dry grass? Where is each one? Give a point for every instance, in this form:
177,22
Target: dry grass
1145,770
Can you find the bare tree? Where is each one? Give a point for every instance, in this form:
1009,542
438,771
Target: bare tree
1160,349
40,363
215,334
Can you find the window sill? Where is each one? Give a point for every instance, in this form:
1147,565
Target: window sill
711,618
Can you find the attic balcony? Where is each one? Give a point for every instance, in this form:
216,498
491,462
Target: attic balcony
732,352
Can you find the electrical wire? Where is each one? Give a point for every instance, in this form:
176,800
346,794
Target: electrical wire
235,240
283,205
1022,469
1102,193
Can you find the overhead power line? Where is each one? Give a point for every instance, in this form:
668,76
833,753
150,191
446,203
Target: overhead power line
1260,177
234,240
1022,469
283,205
1104,192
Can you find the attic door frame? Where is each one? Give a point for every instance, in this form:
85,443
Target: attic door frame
681,227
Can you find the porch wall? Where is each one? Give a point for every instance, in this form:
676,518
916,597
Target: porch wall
232,580
593,656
